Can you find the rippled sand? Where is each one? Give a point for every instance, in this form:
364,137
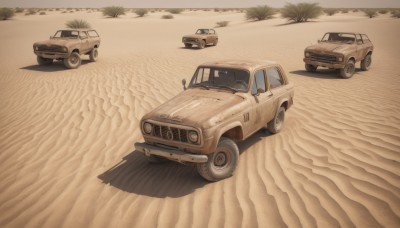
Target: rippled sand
66,136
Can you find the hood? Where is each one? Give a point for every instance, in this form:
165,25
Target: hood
197,36
325,47
198,108
58,42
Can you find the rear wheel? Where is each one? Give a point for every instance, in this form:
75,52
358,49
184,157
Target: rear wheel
276,125
222,163
366,62
348,70
44,61
187,45
215,42
73,61
311,68
202,44
94,55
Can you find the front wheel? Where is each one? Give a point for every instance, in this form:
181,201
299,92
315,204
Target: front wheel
94,55
366,62
73,61
348,70
222,163
276,125
44,61
202,44
215,42
311,68
187,45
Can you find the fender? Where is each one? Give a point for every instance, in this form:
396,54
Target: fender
222,130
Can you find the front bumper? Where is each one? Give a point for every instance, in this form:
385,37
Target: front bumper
171,154
323,64
52,55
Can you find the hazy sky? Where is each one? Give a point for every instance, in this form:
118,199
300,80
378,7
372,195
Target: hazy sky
195,3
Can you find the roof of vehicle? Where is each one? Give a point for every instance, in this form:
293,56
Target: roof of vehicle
348,32
249,65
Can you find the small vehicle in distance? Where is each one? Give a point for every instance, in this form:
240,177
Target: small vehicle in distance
68,45
201,38
225,102
339,50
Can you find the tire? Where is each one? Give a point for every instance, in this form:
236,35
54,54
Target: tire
73,61
348,70
156,159
94,55
366,62
202,44
311,68
276,125
222,163
43,61
187,45
215,43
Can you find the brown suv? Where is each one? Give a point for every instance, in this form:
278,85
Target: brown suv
68,45
339,50
202,38
225,102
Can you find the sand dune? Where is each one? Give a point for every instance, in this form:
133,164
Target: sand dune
66,136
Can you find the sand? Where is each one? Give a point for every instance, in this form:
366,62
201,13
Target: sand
66,136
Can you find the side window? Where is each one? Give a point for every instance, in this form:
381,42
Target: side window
259,82
212,31
83,35
274,77
365,38
359,40
93,33
203,75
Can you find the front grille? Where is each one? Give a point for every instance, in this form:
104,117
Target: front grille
191,40
323,58
52,48
170,133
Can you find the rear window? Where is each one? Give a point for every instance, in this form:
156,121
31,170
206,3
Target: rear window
365,38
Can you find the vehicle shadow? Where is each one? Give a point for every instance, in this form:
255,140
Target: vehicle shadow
54,67
332,74
134,174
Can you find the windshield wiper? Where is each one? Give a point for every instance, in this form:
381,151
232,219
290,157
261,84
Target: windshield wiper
201,85
227,87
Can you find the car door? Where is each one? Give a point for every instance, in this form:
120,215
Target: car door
213,36
360,48
262,101
276,83
85,44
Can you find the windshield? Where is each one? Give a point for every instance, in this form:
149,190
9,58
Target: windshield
339,38
202,31
232,79
66,34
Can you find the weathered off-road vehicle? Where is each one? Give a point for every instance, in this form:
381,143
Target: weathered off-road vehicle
68,45
202,38
341,51
225,102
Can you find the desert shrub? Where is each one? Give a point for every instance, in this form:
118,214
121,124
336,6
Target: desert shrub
6,13
301,12
19,10
31,12
77,24
396,13
174,11
141,12
113,11
371,13
216,10
57,9
222,23
355,10
345,10
64,12
259,13
42,13
330,12
167,16
383,11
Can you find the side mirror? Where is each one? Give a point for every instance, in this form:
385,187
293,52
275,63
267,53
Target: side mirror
51,37
259,90
318,41
184,84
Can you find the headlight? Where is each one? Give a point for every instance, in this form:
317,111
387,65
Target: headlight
147,128
36,48
340,59
64,49
307,54
193,136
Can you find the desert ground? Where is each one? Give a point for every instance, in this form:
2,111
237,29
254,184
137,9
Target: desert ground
66,136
